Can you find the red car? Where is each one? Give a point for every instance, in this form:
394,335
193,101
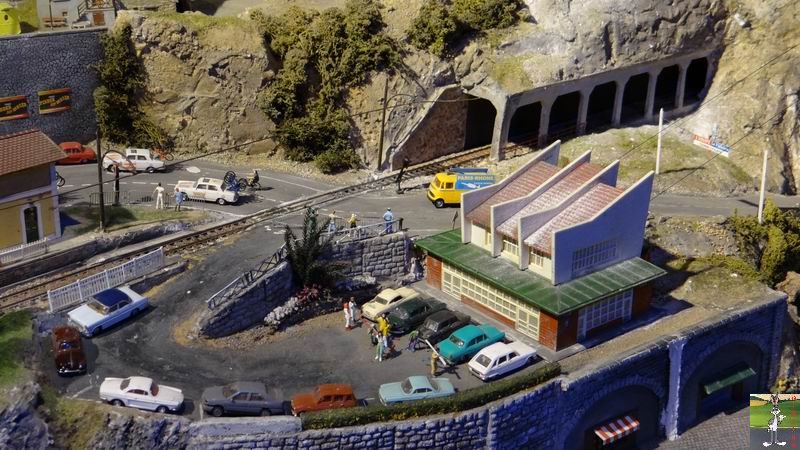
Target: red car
76,153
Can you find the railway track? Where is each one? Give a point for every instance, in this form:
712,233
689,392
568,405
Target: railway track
32,293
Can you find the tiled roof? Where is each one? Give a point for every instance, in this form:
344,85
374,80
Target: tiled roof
579,211
521,186
534,289
552,196
26,149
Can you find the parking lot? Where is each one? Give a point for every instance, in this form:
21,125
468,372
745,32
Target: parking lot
318,351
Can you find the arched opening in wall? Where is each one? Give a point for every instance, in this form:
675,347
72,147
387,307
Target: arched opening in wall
524,127
722,382
564,116
696,78
480,123
666,87
600,114
634,408
634,98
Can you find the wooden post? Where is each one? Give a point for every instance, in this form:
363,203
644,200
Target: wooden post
763,187
658,151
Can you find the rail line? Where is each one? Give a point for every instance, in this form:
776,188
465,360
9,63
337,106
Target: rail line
32,293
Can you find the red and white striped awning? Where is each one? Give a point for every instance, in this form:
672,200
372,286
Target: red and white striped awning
616,429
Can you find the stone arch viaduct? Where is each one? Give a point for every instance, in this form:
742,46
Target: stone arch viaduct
630,95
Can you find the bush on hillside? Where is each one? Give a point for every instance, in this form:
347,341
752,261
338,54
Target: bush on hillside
433,29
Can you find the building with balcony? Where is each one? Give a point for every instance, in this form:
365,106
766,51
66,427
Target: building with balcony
28,192
552,251
76,13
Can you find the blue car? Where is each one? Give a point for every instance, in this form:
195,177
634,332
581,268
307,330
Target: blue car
415,388
465,342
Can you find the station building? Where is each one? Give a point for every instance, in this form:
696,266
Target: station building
553,252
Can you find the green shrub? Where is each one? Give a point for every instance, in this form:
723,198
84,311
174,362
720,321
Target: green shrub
334,161
461,401
482,15
433,29
116,100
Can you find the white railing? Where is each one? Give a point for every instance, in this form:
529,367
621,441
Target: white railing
79,291
22,251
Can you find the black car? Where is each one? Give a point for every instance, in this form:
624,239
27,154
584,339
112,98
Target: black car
242,397
410,314
441,324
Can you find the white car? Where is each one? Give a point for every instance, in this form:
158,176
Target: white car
142,393
500,358
107,308
208,189
136,160
386,300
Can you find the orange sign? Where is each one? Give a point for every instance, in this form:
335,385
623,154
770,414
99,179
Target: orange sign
55,100
12,108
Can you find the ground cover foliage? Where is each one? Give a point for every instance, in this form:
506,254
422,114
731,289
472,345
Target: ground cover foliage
322,55
461,401
442,24
122,86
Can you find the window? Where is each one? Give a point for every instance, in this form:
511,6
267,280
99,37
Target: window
538,257
605,311
510,247
256,398
339,398
240,397
448,185
30,217
585,259
202,186
487,239
211,187
456,283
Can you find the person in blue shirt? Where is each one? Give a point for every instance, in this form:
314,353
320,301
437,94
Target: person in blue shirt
388,217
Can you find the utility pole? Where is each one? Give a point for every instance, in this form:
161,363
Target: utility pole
658,151
383,121
763,187
100,183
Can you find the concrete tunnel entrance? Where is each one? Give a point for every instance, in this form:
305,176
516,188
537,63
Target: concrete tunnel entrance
524,126
600,114
480,123
696,78
564,116
634,98
666,87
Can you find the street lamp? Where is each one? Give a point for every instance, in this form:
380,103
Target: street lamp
383,117
100,156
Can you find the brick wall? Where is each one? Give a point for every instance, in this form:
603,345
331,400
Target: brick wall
433,272
35,62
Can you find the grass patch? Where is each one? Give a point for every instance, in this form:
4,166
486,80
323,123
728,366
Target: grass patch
76,420
461,401
511,74
201,23
15,338
119,217
28,16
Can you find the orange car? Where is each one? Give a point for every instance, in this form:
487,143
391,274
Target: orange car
325,396
76,153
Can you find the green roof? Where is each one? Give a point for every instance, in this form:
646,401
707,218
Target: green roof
527,286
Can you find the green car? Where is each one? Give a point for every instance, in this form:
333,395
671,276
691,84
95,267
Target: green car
465,342
410,314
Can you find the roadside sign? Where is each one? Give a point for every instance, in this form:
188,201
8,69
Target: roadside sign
468,181
711,143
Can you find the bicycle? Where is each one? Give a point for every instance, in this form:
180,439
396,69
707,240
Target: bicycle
164,155
60,181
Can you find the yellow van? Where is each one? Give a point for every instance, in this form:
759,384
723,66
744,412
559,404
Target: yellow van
446,187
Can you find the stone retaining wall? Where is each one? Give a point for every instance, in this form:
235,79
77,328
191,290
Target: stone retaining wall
35,62
382,257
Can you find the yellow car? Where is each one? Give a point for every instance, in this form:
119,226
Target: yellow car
386,300
447,187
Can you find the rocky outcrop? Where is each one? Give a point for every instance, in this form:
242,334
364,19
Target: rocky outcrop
136,432
204,77
20,426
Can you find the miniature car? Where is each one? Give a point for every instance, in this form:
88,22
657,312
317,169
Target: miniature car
325,396
386,300
68,350
142,393
242,397
409,315
467,341
500,358
107,308
439,325
136,160
415,388
208,189
76,153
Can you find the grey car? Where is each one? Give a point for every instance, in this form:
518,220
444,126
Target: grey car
241,397
441,324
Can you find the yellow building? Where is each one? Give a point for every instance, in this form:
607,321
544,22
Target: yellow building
9,20
28,192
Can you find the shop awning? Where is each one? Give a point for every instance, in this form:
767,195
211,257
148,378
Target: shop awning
616,429
730,377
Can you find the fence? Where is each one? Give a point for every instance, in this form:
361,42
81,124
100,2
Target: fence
145,198
244,281
77,292
22,251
